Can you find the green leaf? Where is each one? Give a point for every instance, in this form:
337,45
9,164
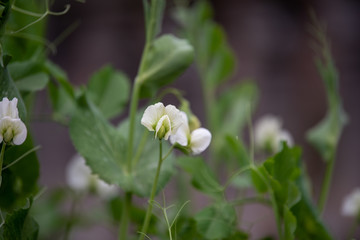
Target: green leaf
217,221
20,180
33,82
289,224
104,148
258,180
5,12
19,225
8,89
60,76
167,58
202,177
309,224
153,17
234,147
326,134
109,90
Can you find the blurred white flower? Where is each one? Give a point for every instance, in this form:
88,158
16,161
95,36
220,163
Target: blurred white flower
80,179
351,204
12,129
197,140
269,135
163,120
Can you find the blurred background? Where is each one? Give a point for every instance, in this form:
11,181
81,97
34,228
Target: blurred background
271,42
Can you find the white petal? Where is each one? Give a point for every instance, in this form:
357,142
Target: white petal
9,108
266,130
175,117
200,140
20,132
152,115
351,204
78,174
105,190
12,130
284,136
182,135
166,124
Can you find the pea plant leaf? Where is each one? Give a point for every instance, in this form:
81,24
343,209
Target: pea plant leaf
19,225
167,58
109,91
19,181
8,89
217,221
326,134
213,54
104,147
203,178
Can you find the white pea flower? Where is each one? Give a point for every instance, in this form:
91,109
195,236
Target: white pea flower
12,129
351,204
269,135
80,179
163,120
197,141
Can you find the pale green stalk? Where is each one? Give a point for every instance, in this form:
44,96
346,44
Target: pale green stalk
152,196
326,184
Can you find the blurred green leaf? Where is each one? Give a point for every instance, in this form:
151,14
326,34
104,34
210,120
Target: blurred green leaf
202,177
167,58
289,224
104,148
217,221
155,12
20,180
33,82
235,148
4,15
8,89
109,90
60,76
326,134
19,225
258,180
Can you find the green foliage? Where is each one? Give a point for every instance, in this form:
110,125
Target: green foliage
33,82
8,89
19,226
19,181
214,57
109,91
217,221
166,59
153,17
325,135
104,148
202,177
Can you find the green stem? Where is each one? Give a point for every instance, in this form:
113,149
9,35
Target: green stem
152,196
124,224
2,159
70,220
133,108
326,184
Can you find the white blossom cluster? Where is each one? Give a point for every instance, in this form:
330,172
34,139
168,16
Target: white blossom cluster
269,134
12,129
169,122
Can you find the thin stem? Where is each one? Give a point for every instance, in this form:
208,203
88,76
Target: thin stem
124,225
21,157
238,172
251,136
168,153
326,184
70,220
2,159
151,200
133,108
141,147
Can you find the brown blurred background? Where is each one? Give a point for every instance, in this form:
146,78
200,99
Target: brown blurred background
271,43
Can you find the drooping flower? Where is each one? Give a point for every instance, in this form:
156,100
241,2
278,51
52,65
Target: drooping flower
268,134
196,141
80,179
12,129
163,120
351,204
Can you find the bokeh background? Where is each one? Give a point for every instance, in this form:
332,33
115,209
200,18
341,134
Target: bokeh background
271,43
